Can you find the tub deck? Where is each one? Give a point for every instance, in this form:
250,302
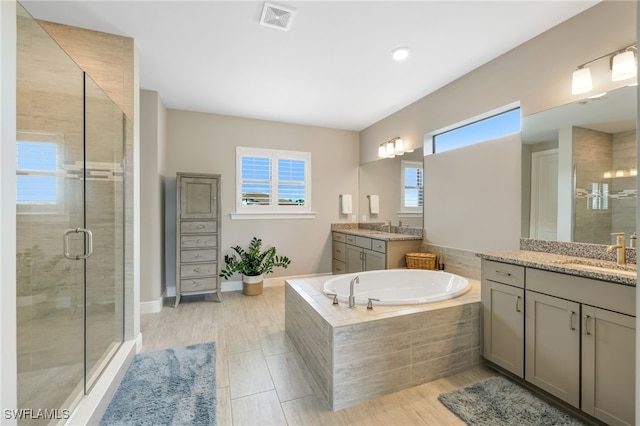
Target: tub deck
356,355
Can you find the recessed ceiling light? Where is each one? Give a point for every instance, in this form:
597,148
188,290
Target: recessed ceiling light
401,53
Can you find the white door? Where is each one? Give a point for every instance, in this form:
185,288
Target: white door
544,195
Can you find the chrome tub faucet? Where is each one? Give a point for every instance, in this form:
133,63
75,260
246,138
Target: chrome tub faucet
352,298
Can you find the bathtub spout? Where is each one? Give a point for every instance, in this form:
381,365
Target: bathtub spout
352,298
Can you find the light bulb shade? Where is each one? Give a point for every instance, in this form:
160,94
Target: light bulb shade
633,172
619,173
623,66
391,151
382,151
581,81
399,146
607,175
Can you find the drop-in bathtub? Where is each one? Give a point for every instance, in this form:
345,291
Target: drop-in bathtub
399,286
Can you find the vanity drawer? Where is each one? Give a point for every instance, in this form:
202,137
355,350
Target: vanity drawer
198,284
363,242
198,227
198,270
350,239
339,267
198,255
503,273
198,241
339,251
338,236
379,245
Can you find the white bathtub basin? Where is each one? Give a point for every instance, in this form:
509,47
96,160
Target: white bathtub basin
399,286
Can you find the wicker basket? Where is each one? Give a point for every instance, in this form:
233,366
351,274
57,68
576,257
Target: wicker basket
421,261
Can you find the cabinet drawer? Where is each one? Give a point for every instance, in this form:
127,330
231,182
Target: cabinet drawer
338,251
199,241
198,227
379,245
350,239
198,255
198,284
338,236
363,242
339,267
503,273
198,270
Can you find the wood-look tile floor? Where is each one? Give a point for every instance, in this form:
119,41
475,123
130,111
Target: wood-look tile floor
261,378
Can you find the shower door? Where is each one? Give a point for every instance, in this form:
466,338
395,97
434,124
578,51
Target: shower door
69,226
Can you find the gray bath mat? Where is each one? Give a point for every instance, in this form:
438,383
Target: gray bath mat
175,386
500,402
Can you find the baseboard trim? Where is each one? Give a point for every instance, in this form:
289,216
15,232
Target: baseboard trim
153,306
268,282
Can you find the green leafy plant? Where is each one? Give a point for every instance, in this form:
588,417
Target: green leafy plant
253,261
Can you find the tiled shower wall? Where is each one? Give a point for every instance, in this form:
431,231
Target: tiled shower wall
595,153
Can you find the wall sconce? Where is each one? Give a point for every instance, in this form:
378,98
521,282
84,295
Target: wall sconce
622,64
391,148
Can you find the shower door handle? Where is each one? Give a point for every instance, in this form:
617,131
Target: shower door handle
88,240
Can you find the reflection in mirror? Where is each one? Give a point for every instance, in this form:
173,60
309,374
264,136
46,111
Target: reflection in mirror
384,178
579,169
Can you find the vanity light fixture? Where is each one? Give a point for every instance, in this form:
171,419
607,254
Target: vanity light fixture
622,64
391,148
581,82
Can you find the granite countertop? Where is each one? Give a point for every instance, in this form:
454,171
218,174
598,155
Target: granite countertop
404,234
579,266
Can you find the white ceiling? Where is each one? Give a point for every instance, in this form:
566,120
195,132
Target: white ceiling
332,69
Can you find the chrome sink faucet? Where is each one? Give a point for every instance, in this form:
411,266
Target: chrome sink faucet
387,224
619,248
352,298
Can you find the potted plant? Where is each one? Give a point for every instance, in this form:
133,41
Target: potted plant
253,264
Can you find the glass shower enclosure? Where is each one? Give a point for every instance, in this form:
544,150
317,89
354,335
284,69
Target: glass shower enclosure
70,224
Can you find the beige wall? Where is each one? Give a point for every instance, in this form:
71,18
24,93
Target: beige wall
152,146
537,74
107,58
206,143
471,183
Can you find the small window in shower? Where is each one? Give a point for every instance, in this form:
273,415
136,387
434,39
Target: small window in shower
37,186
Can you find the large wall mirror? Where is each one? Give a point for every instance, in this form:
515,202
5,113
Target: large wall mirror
580,169
384,179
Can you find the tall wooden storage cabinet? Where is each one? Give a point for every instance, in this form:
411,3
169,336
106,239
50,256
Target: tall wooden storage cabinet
197,234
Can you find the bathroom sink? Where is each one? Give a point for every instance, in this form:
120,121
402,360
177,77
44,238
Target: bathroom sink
598,265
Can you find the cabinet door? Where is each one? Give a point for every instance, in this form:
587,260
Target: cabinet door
354,259
503,322
374,261
198,198
608,365
553,346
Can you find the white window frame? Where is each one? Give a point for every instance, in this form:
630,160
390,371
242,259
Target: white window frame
273,211
56,207
405,164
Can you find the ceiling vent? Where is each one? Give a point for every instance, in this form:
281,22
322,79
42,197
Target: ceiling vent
277,16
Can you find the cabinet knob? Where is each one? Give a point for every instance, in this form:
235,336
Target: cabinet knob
200,226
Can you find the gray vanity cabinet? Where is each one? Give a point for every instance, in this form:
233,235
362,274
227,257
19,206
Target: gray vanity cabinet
553,345
588,363
608,365
355,253
197,234
502,296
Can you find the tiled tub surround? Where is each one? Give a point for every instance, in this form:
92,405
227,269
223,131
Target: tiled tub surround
356,355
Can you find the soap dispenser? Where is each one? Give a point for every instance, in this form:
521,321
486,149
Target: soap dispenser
633,241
